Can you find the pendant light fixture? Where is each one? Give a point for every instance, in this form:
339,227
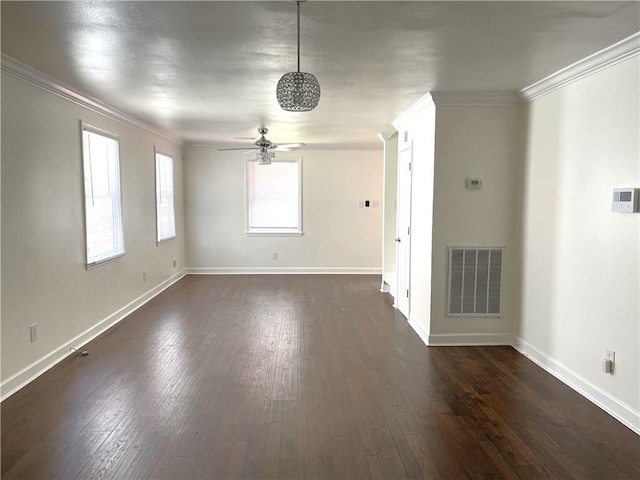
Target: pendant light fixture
298,91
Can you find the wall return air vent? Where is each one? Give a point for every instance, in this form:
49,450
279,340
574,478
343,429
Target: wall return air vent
475,282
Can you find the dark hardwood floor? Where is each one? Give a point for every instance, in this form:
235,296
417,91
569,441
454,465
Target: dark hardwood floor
300,377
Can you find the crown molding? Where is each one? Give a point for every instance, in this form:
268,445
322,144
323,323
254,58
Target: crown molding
616,53
422,105
24,72
386,136
476,98
329,146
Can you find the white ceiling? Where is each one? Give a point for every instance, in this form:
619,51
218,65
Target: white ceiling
207,71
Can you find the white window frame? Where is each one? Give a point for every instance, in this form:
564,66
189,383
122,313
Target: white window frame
116,253
272,232
160,239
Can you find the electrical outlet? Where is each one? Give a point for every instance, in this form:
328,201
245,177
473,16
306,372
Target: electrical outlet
175,263
611,355
33,331
609,362
144,276
274,256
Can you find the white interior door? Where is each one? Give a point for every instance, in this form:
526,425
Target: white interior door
403,237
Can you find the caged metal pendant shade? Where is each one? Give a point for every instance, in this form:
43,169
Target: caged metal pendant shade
298,91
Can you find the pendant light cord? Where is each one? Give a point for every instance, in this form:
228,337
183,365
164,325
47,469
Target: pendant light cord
298,36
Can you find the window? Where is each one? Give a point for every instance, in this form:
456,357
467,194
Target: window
274,198
165,215
103,206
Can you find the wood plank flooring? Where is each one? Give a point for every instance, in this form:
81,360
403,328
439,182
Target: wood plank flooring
300,377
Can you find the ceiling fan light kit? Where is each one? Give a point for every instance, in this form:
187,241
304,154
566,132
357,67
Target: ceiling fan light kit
298,91
263,156
264,148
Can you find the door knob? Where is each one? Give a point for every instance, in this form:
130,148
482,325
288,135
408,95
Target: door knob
398,239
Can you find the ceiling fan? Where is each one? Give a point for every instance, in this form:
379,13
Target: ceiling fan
264,148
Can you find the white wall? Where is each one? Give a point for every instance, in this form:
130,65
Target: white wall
580,273
390,189
338,236
484,142
44,279
418,125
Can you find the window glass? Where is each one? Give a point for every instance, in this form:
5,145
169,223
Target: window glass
165,214
103,203
273,197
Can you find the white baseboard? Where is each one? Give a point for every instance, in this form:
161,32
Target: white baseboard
386,288
284,271
618,410
418,327
469,339
614,407
15,382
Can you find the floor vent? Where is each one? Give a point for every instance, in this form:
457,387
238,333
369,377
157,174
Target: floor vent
475,281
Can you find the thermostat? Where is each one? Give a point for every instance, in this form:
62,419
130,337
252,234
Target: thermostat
625,200
474,183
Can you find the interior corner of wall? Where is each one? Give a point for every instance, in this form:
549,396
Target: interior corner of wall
421,327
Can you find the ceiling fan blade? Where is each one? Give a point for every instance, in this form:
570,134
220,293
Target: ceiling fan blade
288,147
239,148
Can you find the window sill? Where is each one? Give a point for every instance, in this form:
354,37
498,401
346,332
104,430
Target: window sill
164,240
103,261
273,234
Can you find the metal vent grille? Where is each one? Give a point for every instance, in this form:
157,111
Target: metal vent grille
475,281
